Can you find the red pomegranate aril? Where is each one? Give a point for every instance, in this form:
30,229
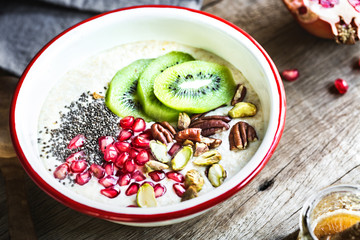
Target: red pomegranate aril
140,142
111,153
76,142
123,146
142,157
174,149
123,157
109,168
146,134
108,181
148,182
159,190
124,179
341,85
78,166
138,176
132,189
125,134
133,153
132,206
179,189
129,166
139,125
97,170
290,74
175,176
105,141
61,171
83,178
110,192
127,122
75,156
157,176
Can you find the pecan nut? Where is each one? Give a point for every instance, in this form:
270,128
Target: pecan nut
168,126
240,135
211,124
161,134
199,115
192,134
239,94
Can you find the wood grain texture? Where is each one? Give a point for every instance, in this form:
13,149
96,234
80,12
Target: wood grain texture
319,146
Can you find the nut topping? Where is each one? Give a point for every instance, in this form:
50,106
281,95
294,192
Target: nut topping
183,121
193,134
190,193
159,151
154,165
208,158
240,134
194,178
200,148
239,94
181,158
216,175
162,134
168,127
211,124
243,109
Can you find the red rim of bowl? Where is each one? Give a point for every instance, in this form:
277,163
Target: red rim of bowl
143,218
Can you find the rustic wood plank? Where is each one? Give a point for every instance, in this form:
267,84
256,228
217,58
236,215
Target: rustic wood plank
318,148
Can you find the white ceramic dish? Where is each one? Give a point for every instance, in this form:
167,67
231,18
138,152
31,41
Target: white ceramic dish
186,26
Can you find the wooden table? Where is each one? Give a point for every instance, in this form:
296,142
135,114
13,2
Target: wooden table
319,147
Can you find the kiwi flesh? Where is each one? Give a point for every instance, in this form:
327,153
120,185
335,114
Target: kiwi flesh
195,86
151,105
121,96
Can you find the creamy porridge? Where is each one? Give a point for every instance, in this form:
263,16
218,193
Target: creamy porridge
72,98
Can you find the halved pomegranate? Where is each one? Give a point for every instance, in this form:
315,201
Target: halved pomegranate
333,19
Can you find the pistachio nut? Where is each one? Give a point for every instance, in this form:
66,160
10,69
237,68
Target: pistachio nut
183,121
181,158
153,165
200,148
208,158
242,109
159,151
194,179
216,175
190,193
145,196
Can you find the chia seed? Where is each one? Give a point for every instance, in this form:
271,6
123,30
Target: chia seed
88,117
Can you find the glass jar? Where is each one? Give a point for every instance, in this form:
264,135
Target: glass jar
330,210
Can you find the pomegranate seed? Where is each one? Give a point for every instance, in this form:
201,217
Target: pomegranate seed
146,134
111,153
132,189
290,74
124,179
132,206
159,190
78,166
179,189
140,142
139,125
61,171
138,176
174,149
97,170
129,166
82,178
151,183
123,146
176,176
109,168
76,156
104,142
133,153
108,181
110,192
76,142
341,85
125,134
127,122
157,176
142,158
123,157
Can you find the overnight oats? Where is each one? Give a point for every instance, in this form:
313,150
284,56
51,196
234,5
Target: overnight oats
149,124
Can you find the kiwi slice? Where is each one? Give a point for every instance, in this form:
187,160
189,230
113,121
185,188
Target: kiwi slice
195,86
121,97
151,105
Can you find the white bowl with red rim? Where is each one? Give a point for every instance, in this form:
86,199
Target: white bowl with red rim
102,32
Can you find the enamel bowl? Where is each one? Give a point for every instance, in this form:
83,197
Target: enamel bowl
105,31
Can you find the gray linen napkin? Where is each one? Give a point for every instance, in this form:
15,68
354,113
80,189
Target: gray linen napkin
26,26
